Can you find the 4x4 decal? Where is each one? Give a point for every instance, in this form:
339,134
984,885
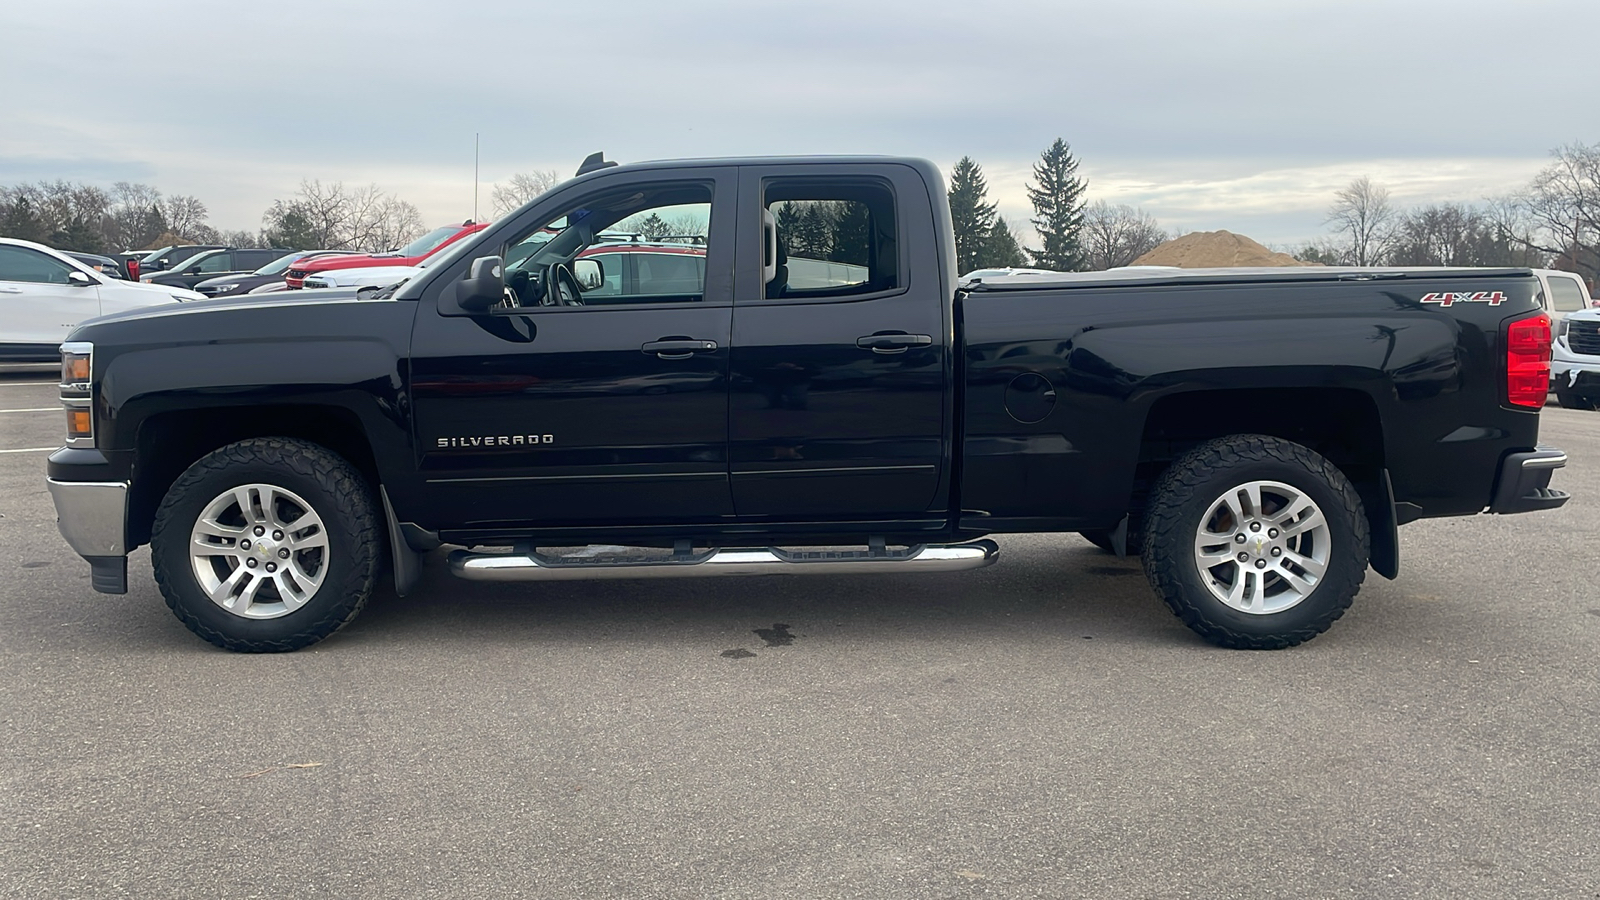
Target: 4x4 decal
1493,298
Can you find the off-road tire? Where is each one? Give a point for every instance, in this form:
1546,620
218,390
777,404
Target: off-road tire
1189,487
1570,399
337,493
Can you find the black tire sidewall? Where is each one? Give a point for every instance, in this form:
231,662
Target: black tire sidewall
1327,601
335,601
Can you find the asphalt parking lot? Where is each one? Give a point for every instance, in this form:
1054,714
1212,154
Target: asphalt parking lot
1043,728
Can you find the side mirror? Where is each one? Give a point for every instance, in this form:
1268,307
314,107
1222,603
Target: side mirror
484,286
78,279
589,272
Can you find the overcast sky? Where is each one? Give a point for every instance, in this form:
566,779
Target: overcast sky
1236,114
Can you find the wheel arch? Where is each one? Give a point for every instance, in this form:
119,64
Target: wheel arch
1342,424
169,442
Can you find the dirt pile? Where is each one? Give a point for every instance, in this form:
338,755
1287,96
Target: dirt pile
1214,249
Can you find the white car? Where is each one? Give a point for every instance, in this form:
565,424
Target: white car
1564,292
44,294
1575,360
365,279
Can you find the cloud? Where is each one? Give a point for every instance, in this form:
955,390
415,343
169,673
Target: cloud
1207,114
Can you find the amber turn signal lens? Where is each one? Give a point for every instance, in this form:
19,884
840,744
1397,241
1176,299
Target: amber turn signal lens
79,423
75,370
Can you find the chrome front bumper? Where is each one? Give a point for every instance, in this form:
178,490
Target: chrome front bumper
92,516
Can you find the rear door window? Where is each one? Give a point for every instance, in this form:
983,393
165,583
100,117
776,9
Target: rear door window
1567,294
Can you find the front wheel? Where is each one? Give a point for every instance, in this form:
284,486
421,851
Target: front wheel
1571,399
1255,542
267,545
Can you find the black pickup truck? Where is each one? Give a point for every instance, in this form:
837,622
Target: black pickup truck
794,384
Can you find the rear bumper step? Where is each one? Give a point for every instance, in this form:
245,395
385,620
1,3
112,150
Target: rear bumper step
535,566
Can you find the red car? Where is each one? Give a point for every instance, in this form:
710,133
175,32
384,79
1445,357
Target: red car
409,255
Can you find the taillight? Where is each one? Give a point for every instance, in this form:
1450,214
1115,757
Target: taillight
133,270
1528,361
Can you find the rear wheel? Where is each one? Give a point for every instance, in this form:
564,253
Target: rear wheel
267,545
1255,542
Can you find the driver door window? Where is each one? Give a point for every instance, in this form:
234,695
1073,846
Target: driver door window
641,245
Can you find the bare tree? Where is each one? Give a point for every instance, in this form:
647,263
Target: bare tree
1117,235
1564,202
377,221
1362,213
185,216
522,187
328,216
136,215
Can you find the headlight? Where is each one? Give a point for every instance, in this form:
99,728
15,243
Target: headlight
218,288
77,377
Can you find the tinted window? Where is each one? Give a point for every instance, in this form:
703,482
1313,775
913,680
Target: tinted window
31,266
279,265
430,241
832,239
216,262
664,274
1567,294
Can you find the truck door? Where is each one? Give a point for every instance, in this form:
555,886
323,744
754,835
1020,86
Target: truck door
840,346
597,394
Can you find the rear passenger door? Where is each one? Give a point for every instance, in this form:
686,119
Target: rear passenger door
840,360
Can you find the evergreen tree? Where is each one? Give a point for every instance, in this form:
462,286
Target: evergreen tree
970,213
1058,206
1000,248
852,235
653,227
813,239
22,222
292,228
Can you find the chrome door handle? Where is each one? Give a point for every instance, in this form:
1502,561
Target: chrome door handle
10,290
892,341
677,348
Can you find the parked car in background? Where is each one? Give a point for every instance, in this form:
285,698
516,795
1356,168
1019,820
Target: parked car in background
362,280
409,255
170,257
269,276
210,263
45,293
1575,360
1564,292
105,265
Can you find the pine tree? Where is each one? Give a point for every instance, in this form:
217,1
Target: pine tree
1000,248
653,227
21,222
852,235
970,213
813,239
1058,206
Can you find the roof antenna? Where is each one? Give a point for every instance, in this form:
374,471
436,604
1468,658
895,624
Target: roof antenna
594,162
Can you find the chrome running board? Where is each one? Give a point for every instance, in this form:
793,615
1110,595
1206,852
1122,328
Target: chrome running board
535,566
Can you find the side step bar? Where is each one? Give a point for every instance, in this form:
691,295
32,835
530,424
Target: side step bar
535,566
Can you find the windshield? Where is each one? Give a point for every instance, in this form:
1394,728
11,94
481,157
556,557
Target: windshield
154,255
430,241
279,265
